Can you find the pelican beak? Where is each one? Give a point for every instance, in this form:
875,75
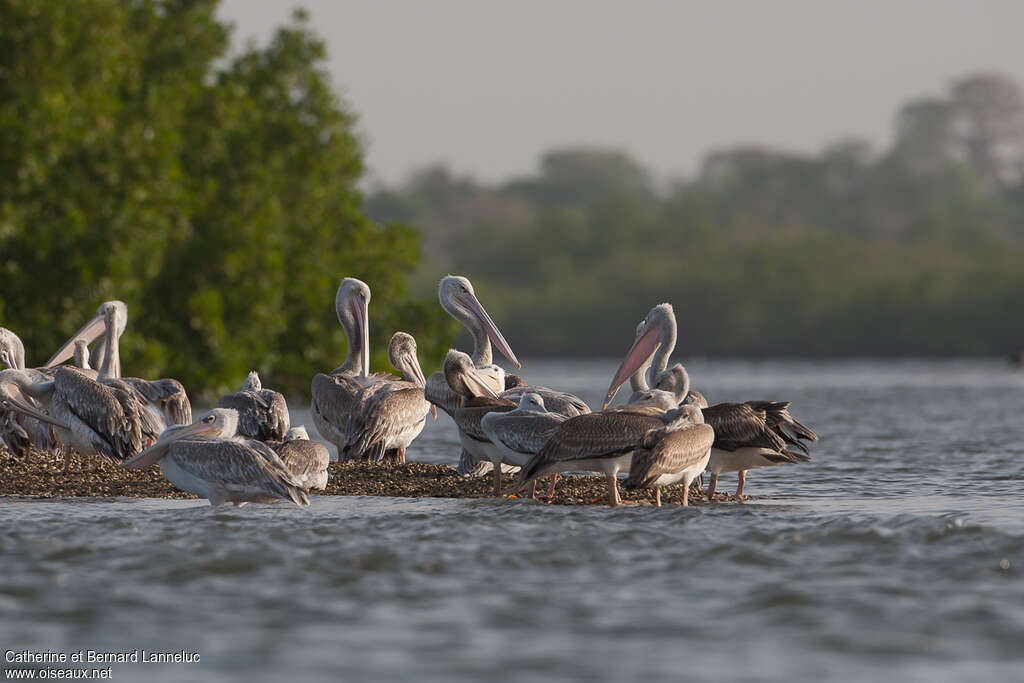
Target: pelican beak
412,364
642,349
96,326
492,331
154,453
361,311
17,405
477,385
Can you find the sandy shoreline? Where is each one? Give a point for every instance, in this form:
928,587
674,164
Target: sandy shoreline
43,475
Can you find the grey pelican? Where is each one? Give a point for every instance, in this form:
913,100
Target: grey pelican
477,399
598,442
751,435
164,400
519,434
90,416
18,431
654,343
262,413
391,412
12,351
208,459
307,460
458,299
351,408
679,451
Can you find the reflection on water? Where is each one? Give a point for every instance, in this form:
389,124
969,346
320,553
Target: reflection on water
896,553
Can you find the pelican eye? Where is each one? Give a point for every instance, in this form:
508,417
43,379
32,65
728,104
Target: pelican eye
208,418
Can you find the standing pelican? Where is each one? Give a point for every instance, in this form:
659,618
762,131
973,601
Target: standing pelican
520,434
654,343
307,460
208,459
458,299
749,436
262,413
598,442
391,412
679,451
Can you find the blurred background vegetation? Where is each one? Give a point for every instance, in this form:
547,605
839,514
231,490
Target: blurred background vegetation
213,192
216,191
917,249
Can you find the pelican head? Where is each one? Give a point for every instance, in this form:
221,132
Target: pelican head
695,398
656,327
12,351
674,380
82,354
460,373
252,382
683,416
217,423
111,315
14,386
297,434
457,297
402,355
531,402
352,305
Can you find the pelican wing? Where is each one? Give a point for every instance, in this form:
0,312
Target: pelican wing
779,420
111,412
469,415
738,425
555,401
388,408
262,414
594,435
240,469
525,433
167,395
306,460
673,452
441,395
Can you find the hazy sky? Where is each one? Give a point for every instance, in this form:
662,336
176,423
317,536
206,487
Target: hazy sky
486,86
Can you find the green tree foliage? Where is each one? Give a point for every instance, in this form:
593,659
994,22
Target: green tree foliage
916,250
216,196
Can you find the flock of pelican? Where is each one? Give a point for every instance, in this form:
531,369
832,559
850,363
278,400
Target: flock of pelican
246,450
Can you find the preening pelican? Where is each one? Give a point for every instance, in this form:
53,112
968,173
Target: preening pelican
307,460
458,299
91,417
12,351
262,413
391,412
208,459
18,431
751,435
164,400
679,451
519,434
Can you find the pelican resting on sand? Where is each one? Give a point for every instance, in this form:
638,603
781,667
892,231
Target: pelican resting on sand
262,413
519,434
207,458
678,452
307,460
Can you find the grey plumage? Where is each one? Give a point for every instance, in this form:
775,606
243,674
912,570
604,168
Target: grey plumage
262,413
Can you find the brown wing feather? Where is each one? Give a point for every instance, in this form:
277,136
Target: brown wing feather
392,405
673,452
469,415
527,433
111,412
238,466
738,425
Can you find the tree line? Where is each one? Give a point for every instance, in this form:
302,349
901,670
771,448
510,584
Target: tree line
915,249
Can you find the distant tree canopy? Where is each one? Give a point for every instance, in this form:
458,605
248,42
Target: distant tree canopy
215,195
917,250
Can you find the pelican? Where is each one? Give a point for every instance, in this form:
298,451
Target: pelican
679,451
598,442
164,400
262,413
307,460
477,399
18,431
654,343
751,435
91,417
458,299
391,412
519,434
208,459
12,351
351,407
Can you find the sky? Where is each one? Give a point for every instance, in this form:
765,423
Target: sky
485,87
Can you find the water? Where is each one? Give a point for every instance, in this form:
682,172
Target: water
897,553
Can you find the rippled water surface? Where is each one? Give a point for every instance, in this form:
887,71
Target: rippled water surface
896,554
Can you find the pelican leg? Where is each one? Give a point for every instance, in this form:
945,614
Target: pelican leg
613,490
400,456
712,486
739,489
657,496
533,490
686,496
496,490
551,489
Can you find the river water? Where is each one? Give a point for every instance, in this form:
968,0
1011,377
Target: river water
896,554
